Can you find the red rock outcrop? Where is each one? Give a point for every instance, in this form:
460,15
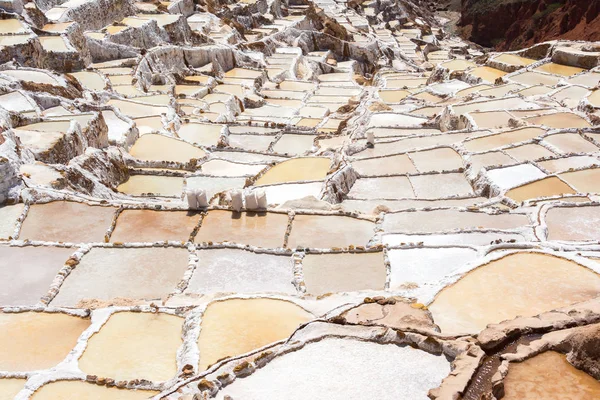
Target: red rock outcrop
512,25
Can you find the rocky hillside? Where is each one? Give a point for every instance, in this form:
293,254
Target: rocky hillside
515,24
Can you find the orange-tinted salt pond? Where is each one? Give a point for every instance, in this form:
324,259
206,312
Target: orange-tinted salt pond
33,341
158,185
9,387
69,390
548,376
519,284
151,226
133,346
573,223
237,326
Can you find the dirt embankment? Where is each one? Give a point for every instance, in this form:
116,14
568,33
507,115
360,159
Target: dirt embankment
515,24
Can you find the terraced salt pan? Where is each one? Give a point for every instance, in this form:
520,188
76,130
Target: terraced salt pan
491,119
134,346
535,78
26,273
162,148
158,185
487,74
12,26
502,139
548,376
294,144
564,164
425,267
53,43
240,271
550,186
34,341
237,326
200,134
570,223
294,170
230,169
341,373
513,59
32,76
560,120
67,390
437,186
571,143
152,226
134,273
450,220
509,177
17,102
346,272
399,164
8,219
529,152
63,221
318,231
137,110
442,159
522,283
90,80
256,229
396,187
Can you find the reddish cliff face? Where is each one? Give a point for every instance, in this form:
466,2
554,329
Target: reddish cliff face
515,24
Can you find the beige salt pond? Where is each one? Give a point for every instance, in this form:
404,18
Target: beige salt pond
153,147
330,273
487,74
295,170
519,284
548,376
69,390
133,346
237,326
11,26
53,43
90,80
158,185
317,231
34,341
573,223
9,387
200,134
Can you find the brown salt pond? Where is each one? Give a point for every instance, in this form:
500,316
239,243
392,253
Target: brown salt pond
134,273
64,221
327,231
297,169
547,187
257,229
519,284
158,185
573,223
152,226
69,390
27,272
9,387
548,376
162,148
33,341
134,346
329,273
237,326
